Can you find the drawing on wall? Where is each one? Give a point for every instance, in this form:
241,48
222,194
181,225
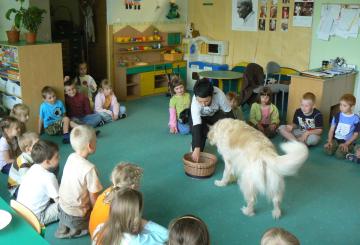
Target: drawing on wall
244,13
273,11
262,11
272,25
303,12
129,4
284,26
285,13
261,24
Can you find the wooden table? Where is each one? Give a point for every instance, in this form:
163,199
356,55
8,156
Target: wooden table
327,91
225,79
18,231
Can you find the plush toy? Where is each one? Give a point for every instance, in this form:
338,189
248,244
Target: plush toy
195,33
188,31
173,11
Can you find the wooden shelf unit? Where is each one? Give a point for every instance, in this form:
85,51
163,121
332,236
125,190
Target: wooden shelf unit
38,65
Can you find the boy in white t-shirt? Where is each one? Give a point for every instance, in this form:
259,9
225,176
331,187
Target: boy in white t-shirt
39,186
80,185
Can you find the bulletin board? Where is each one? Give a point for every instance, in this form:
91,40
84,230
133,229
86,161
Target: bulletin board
150,12
290,48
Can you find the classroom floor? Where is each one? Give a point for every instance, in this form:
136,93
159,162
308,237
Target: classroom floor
320,206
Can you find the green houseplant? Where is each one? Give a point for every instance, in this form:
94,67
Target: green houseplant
32,18
14,33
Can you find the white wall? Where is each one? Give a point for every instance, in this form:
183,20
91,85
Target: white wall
4,23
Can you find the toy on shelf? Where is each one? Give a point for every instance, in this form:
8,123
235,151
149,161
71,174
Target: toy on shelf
173,11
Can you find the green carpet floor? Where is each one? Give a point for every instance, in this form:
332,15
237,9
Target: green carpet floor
320,206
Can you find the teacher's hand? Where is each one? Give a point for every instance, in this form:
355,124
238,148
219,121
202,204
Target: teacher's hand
196,154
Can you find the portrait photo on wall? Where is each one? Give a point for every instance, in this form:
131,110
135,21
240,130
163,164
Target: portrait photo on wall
284,25
272,25
244,15
261,24
286,1
285,12
274,2
262,11
273,11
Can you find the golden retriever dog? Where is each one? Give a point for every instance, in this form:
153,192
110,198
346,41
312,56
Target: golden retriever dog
251,157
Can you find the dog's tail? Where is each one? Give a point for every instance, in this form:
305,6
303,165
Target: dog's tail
289,164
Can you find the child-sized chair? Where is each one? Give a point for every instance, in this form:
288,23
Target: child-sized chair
29,216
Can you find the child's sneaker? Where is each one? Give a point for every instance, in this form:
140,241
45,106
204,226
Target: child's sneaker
101,123
123,116
97,132
352,157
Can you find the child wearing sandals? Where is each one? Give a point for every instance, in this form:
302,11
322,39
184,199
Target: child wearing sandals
124,175
188,230
126,225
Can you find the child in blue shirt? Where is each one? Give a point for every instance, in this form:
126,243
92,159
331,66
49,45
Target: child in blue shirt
52,116
344,130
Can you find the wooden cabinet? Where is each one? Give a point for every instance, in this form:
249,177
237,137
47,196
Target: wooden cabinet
25,70
327,91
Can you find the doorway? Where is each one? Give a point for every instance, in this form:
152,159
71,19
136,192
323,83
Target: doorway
70,21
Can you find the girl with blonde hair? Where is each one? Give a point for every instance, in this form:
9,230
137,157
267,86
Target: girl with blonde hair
126,225
124,175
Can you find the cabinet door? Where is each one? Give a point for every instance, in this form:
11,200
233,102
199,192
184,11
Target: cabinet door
161,81
147,83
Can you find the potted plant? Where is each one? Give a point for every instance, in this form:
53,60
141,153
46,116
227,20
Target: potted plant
14,33
32,19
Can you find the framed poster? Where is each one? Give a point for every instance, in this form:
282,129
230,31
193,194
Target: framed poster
303,12
244,15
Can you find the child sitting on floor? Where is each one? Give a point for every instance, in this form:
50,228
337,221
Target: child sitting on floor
78,107
179,107
85,83
9,149
126,225
276,236
344,130
107,105
235,106
80,185
21,113
188,230
124,175
23,162
39,185
307,124
52,116
264,115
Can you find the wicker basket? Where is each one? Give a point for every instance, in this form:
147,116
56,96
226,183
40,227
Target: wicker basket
203,169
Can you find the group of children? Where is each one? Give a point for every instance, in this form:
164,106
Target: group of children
115,215
307,124
80,108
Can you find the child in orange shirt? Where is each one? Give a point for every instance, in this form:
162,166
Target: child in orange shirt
124,175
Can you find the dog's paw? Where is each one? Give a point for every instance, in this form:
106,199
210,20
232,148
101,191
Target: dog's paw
276,213
248,211
219,183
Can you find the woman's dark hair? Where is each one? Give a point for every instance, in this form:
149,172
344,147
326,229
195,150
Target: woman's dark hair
203,88
265,91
